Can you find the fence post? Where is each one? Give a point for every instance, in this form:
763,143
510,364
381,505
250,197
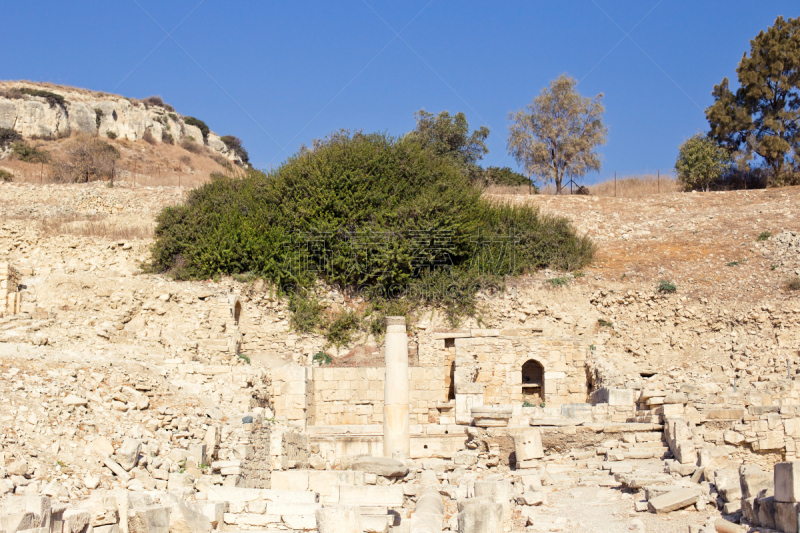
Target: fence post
615,184
658,179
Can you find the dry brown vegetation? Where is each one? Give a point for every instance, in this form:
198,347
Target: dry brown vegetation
139,163
626,187
96,226
635,186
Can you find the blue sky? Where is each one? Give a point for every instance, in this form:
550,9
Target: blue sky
277,74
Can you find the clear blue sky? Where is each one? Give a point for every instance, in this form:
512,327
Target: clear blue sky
278,74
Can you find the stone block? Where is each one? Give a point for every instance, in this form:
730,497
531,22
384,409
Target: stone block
528,445
785,515
127,455
479,515
389,496
674,500
338,519
382,466
685,453
289,480
752,480
787,482
154,519
620,397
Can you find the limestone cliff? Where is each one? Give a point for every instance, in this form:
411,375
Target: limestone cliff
80,110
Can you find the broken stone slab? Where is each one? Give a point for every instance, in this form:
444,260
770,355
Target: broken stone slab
185,517
72,400
17,468
681,469
118,470
339,519
127,455
479,515
674,500
382,466
730,493
752,480
532,498
75,520
153,519
102,446
528,445
685,453
787,482
491,416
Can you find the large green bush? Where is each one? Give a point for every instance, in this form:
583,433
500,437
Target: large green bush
364,212
701,162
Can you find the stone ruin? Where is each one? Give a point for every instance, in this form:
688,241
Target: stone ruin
463,432
10,292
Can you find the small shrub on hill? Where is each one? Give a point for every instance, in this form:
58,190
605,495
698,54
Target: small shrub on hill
667,286
8,136
98,117
764,235
191,146
29,154
166,137
52,98
11,94
6,176
342,326
111,135
156,101
86,158
306,312
793,284
384,217
147,137
234,144
200,124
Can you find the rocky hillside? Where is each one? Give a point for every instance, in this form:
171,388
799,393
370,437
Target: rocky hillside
47,111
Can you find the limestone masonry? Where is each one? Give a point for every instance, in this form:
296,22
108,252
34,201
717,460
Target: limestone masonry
131,402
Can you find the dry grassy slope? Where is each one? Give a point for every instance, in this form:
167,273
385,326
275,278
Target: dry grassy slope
140,163
688,238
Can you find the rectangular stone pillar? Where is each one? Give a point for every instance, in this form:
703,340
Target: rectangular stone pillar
396,432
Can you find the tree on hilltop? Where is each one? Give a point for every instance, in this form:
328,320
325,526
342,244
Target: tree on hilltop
448,136
556,135
762,117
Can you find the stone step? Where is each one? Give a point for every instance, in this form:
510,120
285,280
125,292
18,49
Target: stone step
371,495
233,494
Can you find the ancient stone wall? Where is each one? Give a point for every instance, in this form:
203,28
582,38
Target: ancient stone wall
10,296
354,396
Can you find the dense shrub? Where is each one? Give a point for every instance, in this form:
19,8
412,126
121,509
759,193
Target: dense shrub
52,98
86,158
505,176
342,326
8,136
147,137
234,144
5,175
98,117
385,217
166,137
28,153
111,135
701,162
156,101
200,124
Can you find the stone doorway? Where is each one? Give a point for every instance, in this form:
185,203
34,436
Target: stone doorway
533,382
